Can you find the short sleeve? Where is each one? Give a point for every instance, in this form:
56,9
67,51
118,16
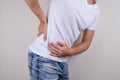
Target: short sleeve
93,25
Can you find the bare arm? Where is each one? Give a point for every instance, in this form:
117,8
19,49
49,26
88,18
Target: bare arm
61,49
87,37
85,43
37,10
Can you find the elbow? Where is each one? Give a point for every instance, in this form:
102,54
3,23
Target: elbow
85,49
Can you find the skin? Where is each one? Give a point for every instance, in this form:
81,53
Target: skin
60,49
37,10
91,2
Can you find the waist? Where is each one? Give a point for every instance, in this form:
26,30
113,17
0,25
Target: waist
43,51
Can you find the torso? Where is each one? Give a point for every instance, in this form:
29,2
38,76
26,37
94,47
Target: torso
66,19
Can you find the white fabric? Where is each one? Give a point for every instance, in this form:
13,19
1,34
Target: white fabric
66,19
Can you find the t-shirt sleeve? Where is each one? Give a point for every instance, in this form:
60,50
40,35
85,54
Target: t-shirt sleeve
93,25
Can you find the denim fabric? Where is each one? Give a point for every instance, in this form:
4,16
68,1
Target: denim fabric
41,68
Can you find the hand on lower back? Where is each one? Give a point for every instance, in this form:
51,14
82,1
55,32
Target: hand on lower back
43,29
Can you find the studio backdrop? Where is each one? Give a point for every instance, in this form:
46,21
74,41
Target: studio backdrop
18,28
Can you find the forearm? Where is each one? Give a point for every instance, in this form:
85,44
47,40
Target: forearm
83,46
85,43
37,10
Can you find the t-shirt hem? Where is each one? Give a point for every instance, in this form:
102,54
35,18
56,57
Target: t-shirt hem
46,56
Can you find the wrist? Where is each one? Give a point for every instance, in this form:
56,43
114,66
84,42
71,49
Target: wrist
43,21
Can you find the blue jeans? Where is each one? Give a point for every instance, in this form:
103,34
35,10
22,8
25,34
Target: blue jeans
41,68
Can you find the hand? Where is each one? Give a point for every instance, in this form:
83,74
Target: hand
43,29
60,49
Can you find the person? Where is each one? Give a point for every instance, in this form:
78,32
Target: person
58,30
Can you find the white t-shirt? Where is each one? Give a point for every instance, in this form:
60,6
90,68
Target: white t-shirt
66,20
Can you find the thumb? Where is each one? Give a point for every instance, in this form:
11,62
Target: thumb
39,33
45,33
45,37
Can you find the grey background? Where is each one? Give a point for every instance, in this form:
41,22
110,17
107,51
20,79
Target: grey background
18,28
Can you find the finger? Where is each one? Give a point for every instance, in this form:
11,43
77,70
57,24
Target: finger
45,33
39,33
52,54
45,37
56,55
56,45
61,43
53,49
59,47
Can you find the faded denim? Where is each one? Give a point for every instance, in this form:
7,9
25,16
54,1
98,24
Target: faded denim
41,68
